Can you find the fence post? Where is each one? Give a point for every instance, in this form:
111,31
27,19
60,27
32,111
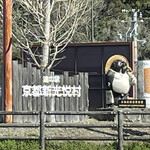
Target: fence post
42,131
120,130
42,119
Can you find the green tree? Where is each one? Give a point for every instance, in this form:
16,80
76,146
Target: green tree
109,23
29,20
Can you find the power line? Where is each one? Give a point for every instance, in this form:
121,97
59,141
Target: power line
132,32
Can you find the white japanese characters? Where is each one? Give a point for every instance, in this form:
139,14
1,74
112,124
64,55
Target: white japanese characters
54,79
51,90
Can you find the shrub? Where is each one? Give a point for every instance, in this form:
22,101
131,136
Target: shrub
69,145
18,145
138,146
78,145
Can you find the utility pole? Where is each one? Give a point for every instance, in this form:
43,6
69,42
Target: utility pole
7,56
134,39
132,33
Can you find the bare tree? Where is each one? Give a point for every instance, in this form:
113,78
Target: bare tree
52,23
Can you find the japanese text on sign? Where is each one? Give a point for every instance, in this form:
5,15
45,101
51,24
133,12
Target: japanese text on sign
51,91
52,79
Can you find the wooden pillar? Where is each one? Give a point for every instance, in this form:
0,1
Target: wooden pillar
7,56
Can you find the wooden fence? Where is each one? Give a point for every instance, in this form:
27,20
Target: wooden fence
31,76
119,125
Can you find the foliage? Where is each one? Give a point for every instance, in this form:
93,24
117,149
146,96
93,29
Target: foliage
74,145
83,32
108,24
107,18
19,145
137,146
78,146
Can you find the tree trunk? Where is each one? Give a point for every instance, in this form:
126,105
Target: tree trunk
46,46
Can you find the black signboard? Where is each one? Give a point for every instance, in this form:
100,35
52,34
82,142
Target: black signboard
132,103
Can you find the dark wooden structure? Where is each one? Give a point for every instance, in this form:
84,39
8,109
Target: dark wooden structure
92,58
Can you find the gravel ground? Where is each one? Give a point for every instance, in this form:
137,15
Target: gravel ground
76,132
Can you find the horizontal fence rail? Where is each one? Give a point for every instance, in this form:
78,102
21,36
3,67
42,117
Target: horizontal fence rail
83,138
137,138
19,113
42,125
26,125
136,113
140,125
19,138
80,125
81,113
